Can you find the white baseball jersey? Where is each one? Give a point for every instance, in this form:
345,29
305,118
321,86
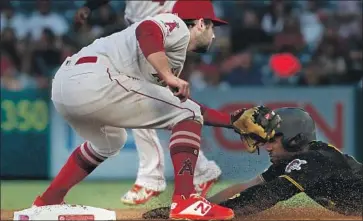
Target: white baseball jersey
123,51
136,11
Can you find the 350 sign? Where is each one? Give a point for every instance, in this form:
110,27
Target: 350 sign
24,115
333,131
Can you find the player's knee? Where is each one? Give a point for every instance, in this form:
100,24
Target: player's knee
122,138
198,116
115,139
192,112
118,142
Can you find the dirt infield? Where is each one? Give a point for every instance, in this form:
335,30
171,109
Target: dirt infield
272,214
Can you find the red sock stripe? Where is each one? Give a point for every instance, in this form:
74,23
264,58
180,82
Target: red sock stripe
186,133
80,160
89,147
185,138
88,156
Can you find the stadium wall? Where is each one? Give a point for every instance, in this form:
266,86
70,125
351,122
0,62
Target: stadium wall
35,140
333,109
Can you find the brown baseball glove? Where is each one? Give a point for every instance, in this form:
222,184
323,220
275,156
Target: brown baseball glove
255,125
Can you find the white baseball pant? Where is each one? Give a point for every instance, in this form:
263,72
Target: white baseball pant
98,102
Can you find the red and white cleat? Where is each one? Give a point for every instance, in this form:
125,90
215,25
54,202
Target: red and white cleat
203,188
138,195
197,208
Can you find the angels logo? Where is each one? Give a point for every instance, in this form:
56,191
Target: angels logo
171,25
187,167
295,165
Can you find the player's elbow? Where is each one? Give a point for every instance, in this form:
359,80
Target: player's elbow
150,38
285,189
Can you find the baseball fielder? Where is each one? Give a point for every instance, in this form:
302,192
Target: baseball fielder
130,80
299,164
150,179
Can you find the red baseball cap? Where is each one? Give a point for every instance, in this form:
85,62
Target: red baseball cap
188,9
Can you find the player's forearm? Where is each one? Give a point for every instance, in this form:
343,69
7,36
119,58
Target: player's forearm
232,191
160,63
95,4
228,193
261,197
215,118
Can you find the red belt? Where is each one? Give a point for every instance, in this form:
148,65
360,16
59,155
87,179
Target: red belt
88,59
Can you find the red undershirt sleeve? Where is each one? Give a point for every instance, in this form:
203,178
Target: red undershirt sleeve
150,37
213,117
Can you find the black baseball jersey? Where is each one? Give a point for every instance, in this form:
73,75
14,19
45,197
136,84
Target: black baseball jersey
331,178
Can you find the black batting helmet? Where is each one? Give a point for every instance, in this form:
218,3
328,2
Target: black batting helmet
297,128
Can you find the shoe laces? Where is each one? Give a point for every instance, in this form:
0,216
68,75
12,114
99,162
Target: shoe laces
198,196
202,186
136,188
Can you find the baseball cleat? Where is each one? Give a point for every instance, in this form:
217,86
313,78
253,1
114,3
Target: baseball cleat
138,195
38,202
197,208
203,188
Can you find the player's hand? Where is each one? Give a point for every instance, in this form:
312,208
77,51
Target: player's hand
255,125
81,15
179,87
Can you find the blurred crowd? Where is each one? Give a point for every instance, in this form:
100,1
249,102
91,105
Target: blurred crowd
37,35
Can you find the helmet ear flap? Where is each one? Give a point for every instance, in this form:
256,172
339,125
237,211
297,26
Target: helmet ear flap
295,143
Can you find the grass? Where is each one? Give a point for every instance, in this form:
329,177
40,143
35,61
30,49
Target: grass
104,194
